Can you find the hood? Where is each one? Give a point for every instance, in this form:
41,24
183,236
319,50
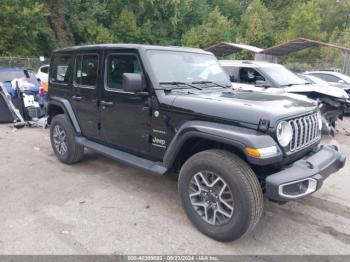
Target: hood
242,106
317,88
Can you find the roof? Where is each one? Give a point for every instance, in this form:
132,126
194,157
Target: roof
130,46
225,48
298,44
247,63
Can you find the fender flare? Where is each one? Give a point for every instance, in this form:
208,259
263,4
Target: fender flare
238,137
68,110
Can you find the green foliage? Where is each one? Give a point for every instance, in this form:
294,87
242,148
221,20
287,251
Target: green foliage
36,27
305,21
216,28
125,27
256,25
21,26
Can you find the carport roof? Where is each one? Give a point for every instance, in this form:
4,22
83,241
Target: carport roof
226,48
296,45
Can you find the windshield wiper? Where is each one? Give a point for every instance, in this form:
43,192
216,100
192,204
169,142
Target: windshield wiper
176,83
209,82
295,84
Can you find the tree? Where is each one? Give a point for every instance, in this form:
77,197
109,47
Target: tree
124,27
217,28
305,21
256,25
21,23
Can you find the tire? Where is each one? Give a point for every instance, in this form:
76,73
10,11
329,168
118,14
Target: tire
241,182
73,152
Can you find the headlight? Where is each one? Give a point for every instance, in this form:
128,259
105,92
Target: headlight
284,133
319,119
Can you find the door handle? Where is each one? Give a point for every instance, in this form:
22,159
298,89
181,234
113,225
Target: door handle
106,103
77,98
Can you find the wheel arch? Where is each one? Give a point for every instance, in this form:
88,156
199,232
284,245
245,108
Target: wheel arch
197,143
62,106
196,136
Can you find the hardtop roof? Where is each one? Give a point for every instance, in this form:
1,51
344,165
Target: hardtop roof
130,46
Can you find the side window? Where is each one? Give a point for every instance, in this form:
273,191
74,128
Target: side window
249,75
86,68
328,78
231,73
61,69
117,65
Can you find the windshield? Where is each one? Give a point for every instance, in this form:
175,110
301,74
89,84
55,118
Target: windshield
283,76
314,79
178,66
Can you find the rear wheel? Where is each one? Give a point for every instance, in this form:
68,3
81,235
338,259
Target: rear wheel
220,194
62,141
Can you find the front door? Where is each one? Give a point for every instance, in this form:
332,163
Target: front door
85,94
125,117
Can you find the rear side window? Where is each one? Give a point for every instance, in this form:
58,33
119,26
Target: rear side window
117,65
61,69
327,77
86,69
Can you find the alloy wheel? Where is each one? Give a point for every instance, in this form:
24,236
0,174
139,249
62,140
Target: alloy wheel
211,198
60,140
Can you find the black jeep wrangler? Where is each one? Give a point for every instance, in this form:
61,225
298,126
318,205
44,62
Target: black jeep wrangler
171,110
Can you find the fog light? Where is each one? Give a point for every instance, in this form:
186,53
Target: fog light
298,189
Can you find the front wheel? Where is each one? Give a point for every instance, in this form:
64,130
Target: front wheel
220,194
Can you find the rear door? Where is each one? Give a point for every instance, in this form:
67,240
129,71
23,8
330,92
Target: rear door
85,92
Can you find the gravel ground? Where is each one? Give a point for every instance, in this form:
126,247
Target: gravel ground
100,206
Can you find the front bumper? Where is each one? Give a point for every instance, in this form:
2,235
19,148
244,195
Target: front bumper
306,175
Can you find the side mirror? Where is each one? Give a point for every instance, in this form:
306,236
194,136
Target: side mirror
261,83
341,81
132,82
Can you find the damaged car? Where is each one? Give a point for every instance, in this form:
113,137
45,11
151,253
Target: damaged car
268,77
24,90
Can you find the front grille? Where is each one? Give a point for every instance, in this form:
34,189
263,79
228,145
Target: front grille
305,132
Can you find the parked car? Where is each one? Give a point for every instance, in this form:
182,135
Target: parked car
331,77
43,73
275,78
171,109
319,81
43,76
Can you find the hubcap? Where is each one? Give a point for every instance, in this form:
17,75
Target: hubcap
60,140
211,198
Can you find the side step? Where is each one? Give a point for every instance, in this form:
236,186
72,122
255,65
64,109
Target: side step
155,168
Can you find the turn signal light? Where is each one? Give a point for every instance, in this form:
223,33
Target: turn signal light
252,152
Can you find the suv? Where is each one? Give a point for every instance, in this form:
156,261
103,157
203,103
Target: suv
275,78
171,109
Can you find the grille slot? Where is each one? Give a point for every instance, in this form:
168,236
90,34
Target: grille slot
305,132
